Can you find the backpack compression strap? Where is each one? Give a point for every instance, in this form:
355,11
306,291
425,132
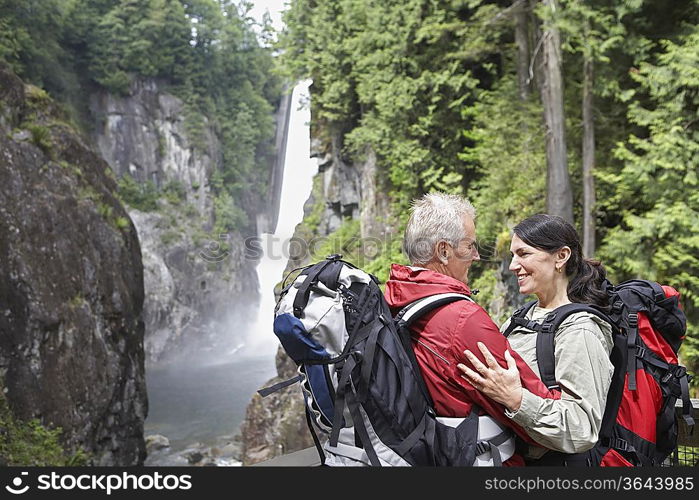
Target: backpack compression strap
544,340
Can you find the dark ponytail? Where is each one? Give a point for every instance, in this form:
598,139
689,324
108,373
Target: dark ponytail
588,278
588,285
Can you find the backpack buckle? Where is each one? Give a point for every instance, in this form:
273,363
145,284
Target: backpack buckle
546,328
633,320
482,447
640,351
620,444
680,371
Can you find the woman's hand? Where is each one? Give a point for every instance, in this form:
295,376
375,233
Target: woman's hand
500,384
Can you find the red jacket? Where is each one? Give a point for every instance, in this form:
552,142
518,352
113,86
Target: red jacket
448,331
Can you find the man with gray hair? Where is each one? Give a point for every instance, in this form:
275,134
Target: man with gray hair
440,243
441,235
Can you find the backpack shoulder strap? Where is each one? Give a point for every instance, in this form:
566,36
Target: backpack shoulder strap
420,307
546,331
407,317
519,318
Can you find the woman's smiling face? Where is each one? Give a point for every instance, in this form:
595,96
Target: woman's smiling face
535,269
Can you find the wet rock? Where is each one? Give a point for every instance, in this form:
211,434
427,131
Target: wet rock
156,442
71,284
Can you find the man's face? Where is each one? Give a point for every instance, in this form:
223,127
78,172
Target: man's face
460,258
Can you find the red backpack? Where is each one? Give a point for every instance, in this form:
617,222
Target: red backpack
639,426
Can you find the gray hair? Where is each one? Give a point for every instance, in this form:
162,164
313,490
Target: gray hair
435,217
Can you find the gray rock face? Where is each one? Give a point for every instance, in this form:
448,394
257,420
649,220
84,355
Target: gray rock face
198,285
507,296
71,285
195,298
144,135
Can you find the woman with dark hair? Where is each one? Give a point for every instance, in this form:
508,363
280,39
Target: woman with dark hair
548,262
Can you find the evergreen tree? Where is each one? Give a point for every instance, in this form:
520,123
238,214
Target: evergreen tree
657,190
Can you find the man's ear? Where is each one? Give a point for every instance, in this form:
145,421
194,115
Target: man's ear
442,252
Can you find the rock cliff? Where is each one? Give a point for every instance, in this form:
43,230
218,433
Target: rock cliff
71,284
199,285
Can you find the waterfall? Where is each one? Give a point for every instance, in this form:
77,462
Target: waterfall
299,169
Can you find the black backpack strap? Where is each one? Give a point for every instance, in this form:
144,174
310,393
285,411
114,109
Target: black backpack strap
314,435
518,318
304,291
631,336
492,444
279,386
546,332
426,429
681,373
672,370
340,394
616,387
545,355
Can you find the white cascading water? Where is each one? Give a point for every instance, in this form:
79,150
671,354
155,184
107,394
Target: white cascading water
299,169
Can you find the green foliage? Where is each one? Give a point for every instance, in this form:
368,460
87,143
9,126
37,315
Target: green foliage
395,77
141,196
485,284
174,192
229,216
30,33
345,240
32,444
149,38
41,136
122,222
390,251
104,210
313,219
508,146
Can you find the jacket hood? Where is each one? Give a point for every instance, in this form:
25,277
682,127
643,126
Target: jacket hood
407,284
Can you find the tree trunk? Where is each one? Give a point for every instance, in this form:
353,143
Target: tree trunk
588,157
559,196
522,42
